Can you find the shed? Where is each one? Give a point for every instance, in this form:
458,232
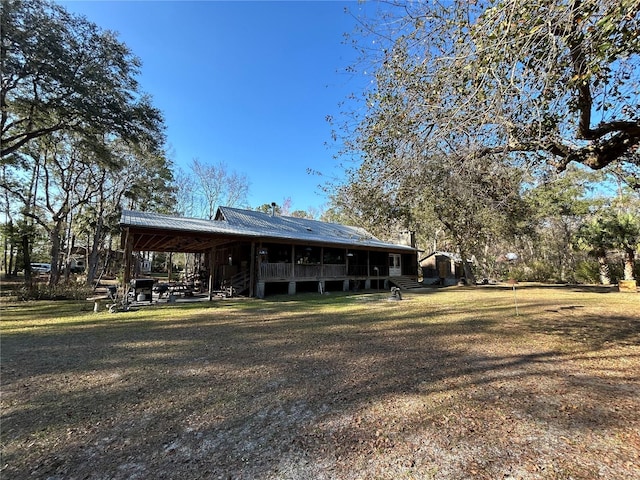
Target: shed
442,268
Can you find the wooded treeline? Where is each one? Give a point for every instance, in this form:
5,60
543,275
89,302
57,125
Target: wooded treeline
80,139
489,128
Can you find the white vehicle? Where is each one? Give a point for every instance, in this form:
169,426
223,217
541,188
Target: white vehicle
76,264
41,267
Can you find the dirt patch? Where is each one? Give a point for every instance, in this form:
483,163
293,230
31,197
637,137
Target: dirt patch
446,384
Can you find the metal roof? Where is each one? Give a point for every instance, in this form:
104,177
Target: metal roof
234,222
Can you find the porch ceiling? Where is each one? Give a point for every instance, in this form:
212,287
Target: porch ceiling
168,241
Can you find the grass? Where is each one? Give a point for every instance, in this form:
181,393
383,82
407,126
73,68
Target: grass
447,383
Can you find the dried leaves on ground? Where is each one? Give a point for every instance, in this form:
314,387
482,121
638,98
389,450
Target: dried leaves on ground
444,384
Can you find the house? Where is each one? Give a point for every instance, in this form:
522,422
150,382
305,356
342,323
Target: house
264,253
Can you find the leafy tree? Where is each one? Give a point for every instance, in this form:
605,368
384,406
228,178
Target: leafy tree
79,138
301,214
142,181
269,208
559,203
9,231
609,230
625,234
144,177
16,184
286,210
555,80
594,238
61,72
62,189
404,183
474,202
467,98
65,188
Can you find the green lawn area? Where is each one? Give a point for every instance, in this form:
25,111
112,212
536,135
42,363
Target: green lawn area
446,384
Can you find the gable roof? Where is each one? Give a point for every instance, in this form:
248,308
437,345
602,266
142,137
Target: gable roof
235,222
452,256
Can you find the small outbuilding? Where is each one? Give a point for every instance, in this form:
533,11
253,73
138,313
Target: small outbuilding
442,268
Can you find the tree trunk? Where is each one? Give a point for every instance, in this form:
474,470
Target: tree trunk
92,264
70,240
12,261
54,237
26,255
468,272
5,260
605,277
629,263
9,249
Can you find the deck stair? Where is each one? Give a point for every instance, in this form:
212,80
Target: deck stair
405,283
240,282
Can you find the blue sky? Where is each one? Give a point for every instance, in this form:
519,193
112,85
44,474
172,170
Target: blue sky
249,84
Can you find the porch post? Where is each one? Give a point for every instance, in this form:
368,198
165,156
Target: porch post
367,282
345,282
252,269
212,262
260,282
293,262
292,280
346,262
128,247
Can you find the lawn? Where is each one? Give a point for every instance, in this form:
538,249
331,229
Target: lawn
444,384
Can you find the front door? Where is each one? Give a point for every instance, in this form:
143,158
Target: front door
395,268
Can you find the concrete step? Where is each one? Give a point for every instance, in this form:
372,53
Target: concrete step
405,283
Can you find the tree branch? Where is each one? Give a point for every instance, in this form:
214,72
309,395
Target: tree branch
596,155
25,138
581,73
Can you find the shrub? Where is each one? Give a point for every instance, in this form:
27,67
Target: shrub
587,271
42,291
542,272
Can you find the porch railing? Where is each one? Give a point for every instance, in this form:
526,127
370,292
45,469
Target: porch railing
283,271
358,270
337,271
383,270
307,271
275,271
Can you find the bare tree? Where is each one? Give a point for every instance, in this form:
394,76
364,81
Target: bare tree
185,193
217,186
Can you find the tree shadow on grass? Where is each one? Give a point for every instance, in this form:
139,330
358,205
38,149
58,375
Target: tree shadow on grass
594,331
286,394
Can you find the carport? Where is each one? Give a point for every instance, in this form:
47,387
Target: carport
145,231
